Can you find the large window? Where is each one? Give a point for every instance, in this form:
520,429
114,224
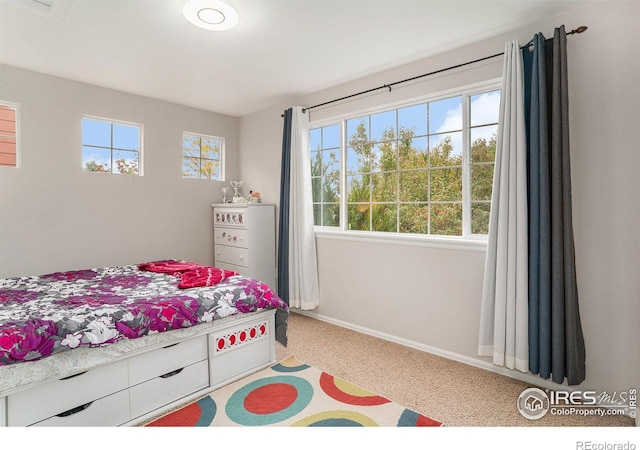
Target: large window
424,168
202,157
8,135
111,147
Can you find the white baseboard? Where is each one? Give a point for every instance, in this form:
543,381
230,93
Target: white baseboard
486,365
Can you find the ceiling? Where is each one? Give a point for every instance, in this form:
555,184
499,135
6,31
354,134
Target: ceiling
279,49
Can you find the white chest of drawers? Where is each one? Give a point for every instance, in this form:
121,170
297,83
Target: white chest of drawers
244,240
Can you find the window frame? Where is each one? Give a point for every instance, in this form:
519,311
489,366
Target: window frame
112,122
468,240
221,172
16,109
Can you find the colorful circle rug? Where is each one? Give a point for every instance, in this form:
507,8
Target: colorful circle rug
294,394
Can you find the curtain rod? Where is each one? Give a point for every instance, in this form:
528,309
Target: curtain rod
580,29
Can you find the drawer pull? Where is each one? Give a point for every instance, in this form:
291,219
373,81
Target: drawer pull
171,345
75,410
73,376
170,374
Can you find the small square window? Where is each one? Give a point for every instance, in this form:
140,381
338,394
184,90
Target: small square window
111,147
202,157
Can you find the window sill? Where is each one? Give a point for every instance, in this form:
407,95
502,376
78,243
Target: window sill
443,242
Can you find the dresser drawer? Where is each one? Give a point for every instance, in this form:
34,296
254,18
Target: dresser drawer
109,411
163,390
164,360
44,401
244,271
234,217
232,237
232,255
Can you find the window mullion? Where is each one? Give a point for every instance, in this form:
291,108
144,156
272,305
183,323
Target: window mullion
370,174
343,175
397,143
111,147
466,165
428,172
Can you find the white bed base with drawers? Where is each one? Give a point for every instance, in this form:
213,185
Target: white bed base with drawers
146,382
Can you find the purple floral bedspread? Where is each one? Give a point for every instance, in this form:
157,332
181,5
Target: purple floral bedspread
44,315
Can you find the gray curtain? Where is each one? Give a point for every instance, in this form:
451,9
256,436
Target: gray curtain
283,227
556,343
283,230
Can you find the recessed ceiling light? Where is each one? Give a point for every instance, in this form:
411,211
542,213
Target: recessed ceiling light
210,14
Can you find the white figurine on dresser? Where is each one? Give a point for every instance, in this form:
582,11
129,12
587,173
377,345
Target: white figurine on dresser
244,240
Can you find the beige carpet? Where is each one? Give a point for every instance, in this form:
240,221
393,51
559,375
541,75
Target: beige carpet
293,394
454,393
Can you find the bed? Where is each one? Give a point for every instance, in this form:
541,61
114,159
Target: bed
114,346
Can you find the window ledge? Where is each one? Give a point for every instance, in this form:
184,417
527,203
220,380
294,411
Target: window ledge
452,243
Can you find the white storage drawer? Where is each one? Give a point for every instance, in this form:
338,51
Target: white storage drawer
238,350
232,255
109,411
227,366
167,359
231,236
44,401
165,389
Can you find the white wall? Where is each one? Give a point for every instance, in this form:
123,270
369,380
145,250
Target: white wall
55,217
430,297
